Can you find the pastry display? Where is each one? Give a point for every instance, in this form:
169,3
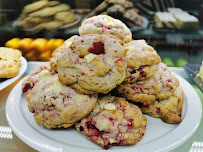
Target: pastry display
48,15
9,62
75,87
104,24
90,63
114,122
176,18
121,9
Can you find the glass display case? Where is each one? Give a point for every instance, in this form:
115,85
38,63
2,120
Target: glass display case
173,28
174,44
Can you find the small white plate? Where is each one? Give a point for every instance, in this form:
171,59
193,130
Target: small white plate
159,136
6,82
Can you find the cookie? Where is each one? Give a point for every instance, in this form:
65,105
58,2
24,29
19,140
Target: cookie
53,3
128,5
34,6
66,17
116,11
49,25
50,11
90,63
56,105
34,76
104,24
119,2
102,7
53,59
159,86
9,62
10,51
169,110
114,122
141,73
142,61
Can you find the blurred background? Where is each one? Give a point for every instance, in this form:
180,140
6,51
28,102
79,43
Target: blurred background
173,27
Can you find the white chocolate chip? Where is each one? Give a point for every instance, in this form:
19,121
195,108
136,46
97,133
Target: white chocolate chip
45,73
112,141
109,106
67,44
90,57
57,85
108,20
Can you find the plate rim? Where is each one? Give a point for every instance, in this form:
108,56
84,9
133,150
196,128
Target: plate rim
23,65
171,143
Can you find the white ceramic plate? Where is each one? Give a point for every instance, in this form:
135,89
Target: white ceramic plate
159,136
6,82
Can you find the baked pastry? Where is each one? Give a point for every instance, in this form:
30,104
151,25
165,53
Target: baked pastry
56,105
33,20
48,15
116,11
34,6
114,122
34,76
128,4
49,25
66,17
132,18
120,2
50,11
169,110
90,63
9,62
142,60
53,3
100,8
159,86
165,19
53,59
104,24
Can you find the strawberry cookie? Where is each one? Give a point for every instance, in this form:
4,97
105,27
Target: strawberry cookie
114,122
142,61
169,110
90,63
34,76
159,86
56,105
104,24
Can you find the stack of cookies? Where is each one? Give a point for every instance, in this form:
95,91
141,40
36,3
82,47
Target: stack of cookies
47,15
74,87
123,10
